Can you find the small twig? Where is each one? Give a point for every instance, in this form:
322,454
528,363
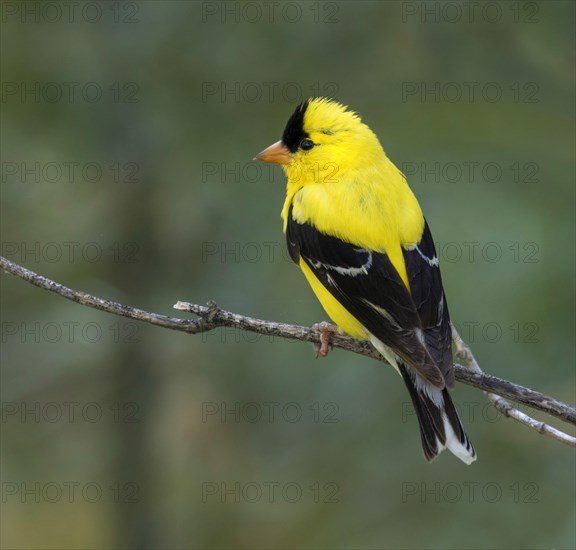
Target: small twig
211,317
504,406
508,410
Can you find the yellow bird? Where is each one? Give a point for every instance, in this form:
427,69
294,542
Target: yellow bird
357,232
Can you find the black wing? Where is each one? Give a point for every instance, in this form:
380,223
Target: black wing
430,302
369,287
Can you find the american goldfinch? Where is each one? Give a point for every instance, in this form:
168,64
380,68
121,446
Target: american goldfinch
357,232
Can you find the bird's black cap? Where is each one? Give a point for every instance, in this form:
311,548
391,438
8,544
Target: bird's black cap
294,132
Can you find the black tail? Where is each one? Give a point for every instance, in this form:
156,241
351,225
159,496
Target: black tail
440,426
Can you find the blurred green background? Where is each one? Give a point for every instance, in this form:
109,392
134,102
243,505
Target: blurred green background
128,131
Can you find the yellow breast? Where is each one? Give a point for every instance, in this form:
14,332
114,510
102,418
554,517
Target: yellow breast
374,208
337,312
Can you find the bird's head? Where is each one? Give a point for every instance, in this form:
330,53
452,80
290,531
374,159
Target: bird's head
321,140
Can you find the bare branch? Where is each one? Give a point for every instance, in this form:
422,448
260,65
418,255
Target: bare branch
211,317
541,427
503,405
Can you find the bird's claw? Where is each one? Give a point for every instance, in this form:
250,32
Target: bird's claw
326,330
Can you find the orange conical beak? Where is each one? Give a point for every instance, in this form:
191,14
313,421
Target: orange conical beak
277,152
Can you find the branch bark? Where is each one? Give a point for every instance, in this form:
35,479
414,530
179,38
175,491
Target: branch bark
211,317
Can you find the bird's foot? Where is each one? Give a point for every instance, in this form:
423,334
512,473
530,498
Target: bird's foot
326,330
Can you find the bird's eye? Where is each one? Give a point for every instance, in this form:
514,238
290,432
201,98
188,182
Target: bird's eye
306,144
